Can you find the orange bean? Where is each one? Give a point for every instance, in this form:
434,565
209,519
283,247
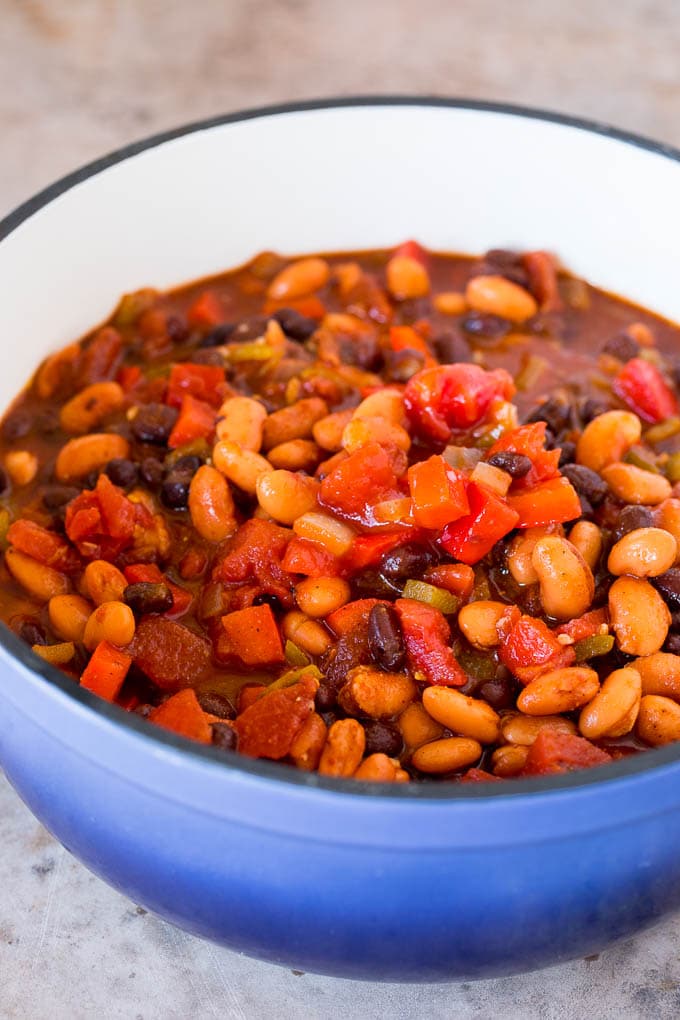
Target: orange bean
113,622
407,278
68,616
295,455
658,720
417,727
90,407
638,616
499,296
102,582
286,495
478,622
58,655
319,596
310,635
523,729
343,750
307,747
87,453
613,710
634,485
22,466
294,422
211,505
377,768
372,692
606,439
469,717
447,755
38,580
240,421
509,760
328,431
660,673
299,278
559,690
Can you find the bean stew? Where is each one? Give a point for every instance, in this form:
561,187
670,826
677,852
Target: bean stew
394,515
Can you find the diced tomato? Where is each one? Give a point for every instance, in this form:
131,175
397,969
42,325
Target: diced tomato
529,440
473,536
268,727
369,549
255,553
352,615
106,671
193,563
254,636
531,648
585,626
101,356
310,559
641,386
366,477
128,376
450,397
553,502
553,752
42,545
427,637
412,250
438,493
183,714
479,776
406,338
169,653
541,267
151,574
205,382
458,578
206,311
101,522
196,421
249,694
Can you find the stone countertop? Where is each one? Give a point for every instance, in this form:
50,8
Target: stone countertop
81,77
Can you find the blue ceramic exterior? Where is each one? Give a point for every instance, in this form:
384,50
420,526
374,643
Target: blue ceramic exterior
422,882
392,887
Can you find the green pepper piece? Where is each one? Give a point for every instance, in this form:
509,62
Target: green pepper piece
664,430
673,468
292,676
438,598
597,644
295,655
249,352
479,665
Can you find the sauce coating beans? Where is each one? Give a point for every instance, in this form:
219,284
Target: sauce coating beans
392,517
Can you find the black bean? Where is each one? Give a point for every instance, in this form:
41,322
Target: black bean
586,482
381,738
48,422
187,464
515,464
400,366
219,335
224,736
385,638
148,597
216,704
54,497
122,472
675,623
267,598
484,324
326,697
153,423
622,346
151,471
17,424
500,261
556,413
672,644
451,346
500,692
4,481
31,631
176,328
90,480
631,518
175,491
567,453
208,356
668,585
372,584
405,561
295,325
590,408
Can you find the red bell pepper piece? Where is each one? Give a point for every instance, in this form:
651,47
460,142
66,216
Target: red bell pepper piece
529,440
106,671
449,397
473,536
128,376
457,578
554,752
268,727
553,502
438,493
206,311
253,636
541,267
360,481
352,615
196,421
206,382
310,558
641,386
530,648
427,637
183,714
406,338
585,626
369,549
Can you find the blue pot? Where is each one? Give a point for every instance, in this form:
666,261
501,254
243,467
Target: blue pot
425,882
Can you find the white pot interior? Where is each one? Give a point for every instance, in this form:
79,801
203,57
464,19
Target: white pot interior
351,177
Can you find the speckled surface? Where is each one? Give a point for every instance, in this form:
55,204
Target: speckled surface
81,77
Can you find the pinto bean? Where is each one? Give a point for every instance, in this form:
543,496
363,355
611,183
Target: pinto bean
478,622
607,438
407,278
38,580
240,421
343,750
89,453
299,278
90,407
211,505
446,755
613,710
658,720
500,296
372,692
645,552
559,690
634,485
469,717
294,422
638,616
566,581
